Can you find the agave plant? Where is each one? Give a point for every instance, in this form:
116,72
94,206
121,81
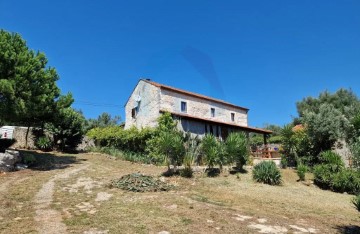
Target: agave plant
267,172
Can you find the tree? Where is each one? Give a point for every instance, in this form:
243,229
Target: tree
28,91
103,120
67,128
326,126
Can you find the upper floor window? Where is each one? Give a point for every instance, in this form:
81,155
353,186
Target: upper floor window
183,107
233,117
212,112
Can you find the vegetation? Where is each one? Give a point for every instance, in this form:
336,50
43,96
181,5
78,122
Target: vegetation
102,121
301,171
267,172
356,202
237,149
137,182
43,143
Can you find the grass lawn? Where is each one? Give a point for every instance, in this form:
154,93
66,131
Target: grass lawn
71,194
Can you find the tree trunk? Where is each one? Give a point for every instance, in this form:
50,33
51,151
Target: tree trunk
26,136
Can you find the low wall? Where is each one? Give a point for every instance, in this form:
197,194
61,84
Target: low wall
20,136
277,161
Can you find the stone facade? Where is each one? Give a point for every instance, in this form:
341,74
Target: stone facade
149,99
146,107
171,101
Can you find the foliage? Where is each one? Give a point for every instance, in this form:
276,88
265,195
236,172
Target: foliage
132,139
102,121
125,155
171,148
325,127
237,148
267,172
166,123
192,152
330,117
67,128
356,202
283,162
27,84
43,143
301,170
331,174
210,150
137,182
355,151
333,159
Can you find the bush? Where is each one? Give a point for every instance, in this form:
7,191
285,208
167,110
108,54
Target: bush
333,159
43,143
283,162
267,172
356,202
301,171
237,149
345,180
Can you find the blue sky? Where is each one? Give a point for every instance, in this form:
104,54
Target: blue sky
264,55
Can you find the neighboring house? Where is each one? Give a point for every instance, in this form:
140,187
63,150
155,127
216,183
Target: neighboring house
197,114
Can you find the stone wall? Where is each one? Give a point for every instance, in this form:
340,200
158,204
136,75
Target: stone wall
198,107
148,107
20,136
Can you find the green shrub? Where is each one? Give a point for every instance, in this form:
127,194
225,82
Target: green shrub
43,143
333,159
346,181
301,171
283,162
356,202
237,148
323,175
28,159
267,172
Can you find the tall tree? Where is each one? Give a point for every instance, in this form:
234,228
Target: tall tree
28,90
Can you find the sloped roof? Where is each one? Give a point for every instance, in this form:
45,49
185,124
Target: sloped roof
162,86
245,128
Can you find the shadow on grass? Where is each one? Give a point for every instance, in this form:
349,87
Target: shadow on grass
348,229
48,161
236,170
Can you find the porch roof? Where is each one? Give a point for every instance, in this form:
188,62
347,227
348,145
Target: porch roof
244,128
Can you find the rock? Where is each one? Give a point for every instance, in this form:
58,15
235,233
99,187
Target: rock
21,166
8,160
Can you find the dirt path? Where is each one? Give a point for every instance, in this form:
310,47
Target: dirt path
49,220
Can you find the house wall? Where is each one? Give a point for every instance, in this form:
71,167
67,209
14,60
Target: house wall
171,101
148,111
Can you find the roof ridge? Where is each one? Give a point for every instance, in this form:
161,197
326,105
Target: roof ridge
193,94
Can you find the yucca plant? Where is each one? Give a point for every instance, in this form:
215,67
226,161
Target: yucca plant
301,170
267,172
43,143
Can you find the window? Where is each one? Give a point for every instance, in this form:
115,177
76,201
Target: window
183,107
233,117
134,112
212,112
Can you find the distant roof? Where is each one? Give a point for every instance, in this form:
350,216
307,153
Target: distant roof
193,94
245,128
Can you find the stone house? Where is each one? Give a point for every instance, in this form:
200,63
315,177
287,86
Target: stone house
195,113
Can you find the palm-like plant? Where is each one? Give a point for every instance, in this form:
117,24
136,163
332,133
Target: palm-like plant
171,147
237,148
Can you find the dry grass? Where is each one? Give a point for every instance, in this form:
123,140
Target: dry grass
224,204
